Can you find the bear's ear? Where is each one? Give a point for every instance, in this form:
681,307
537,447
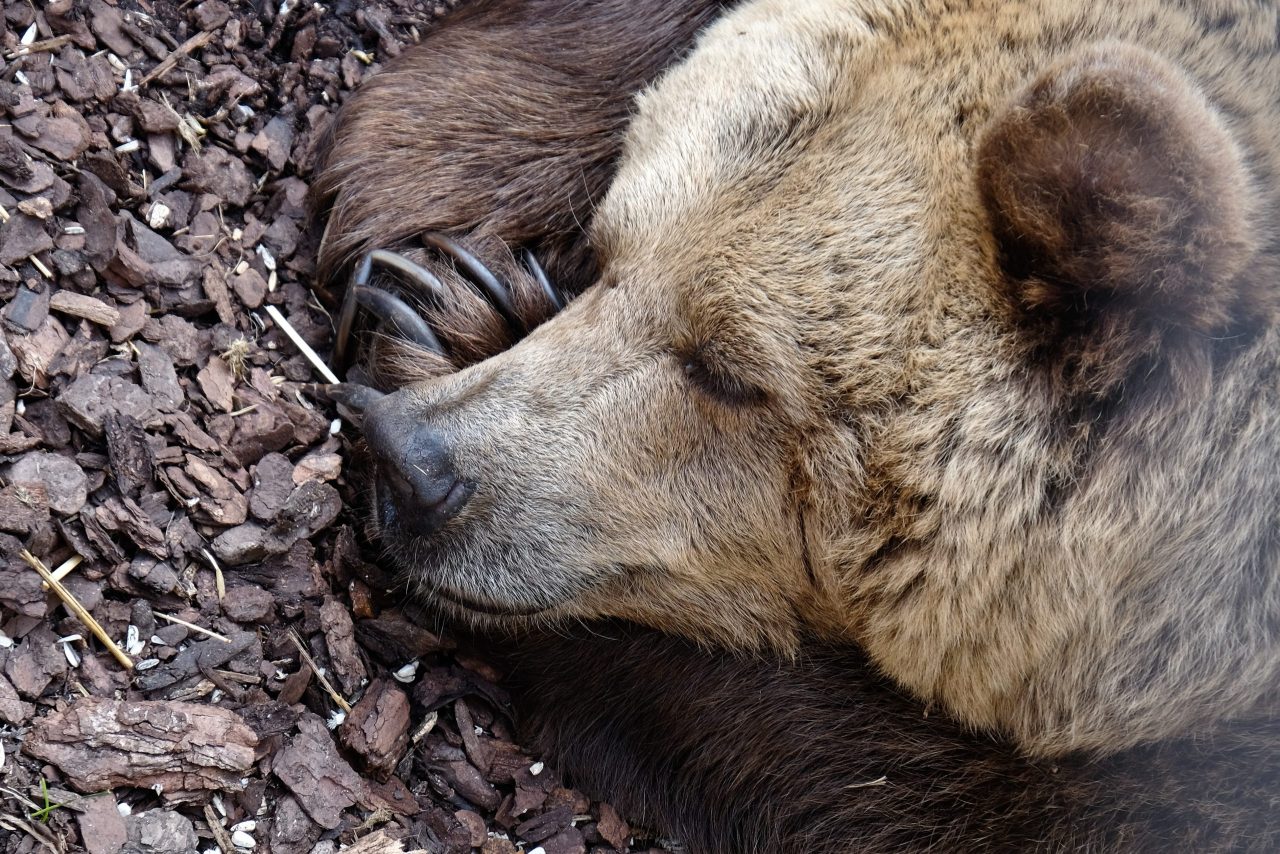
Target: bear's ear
1118,200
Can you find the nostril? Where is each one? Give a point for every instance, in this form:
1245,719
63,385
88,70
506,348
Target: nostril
398,483
426,490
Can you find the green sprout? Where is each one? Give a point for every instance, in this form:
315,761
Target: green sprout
42,815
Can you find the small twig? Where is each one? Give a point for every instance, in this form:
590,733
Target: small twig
312,357
18,825
64,570
206,632
76,608
242,678
219,832
221,684
315,668
20,798
197,41
38,47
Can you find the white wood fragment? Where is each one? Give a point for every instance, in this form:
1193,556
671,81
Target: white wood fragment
312,357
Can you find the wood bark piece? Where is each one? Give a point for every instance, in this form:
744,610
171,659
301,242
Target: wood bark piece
100,744
195,659
378,728
340,637
102,828
319,778
91,309
380,843
132,459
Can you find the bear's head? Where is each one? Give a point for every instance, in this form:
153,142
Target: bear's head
890,344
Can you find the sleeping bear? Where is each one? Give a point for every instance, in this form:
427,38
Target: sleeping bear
921,355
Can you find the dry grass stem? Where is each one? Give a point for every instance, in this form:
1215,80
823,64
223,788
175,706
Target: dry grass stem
311,662
209,633
311,355
63,570
74,606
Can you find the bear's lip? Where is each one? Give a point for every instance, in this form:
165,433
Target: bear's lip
388,528
457,600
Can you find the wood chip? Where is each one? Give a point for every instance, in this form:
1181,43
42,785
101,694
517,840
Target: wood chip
90,308
181,747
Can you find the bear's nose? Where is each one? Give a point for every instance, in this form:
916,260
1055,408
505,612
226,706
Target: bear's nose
419,489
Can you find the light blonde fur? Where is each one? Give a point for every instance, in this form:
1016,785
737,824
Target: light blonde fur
1064,532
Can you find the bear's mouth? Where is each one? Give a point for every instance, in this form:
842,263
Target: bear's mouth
474,607
398,539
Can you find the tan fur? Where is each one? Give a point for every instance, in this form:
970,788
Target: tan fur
846,373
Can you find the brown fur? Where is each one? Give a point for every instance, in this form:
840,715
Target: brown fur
734,754
872,359
527,158
522,162
1121,208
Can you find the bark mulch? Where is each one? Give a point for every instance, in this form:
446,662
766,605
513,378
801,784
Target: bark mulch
157,440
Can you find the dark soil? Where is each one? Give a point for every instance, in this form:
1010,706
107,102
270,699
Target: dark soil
157,425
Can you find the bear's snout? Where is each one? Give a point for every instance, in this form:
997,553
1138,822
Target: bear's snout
418,489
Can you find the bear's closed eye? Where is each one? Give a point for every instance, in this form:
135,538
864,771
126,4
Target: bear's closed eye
709,377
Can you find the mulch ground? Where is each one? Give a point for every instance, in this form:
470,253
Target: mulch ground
157,440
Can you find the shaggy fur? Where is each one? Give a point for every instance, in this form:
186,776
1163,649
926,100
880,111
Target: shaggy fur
530,154
821,756
517,149
943,330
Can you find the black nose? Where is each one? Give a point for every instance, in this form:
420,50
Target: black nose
418,488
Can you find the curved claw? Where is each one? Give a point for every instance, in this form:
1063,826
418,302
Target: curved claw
387,306
391,309
480,275
414,272
352,399
540,275
352,395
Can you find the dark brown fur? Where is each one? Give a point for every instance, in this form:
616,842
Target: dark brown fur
508,123
742,753
1121,208
523,107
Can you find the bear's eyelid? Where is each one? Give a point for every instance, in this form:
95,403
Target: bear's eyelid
707,373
